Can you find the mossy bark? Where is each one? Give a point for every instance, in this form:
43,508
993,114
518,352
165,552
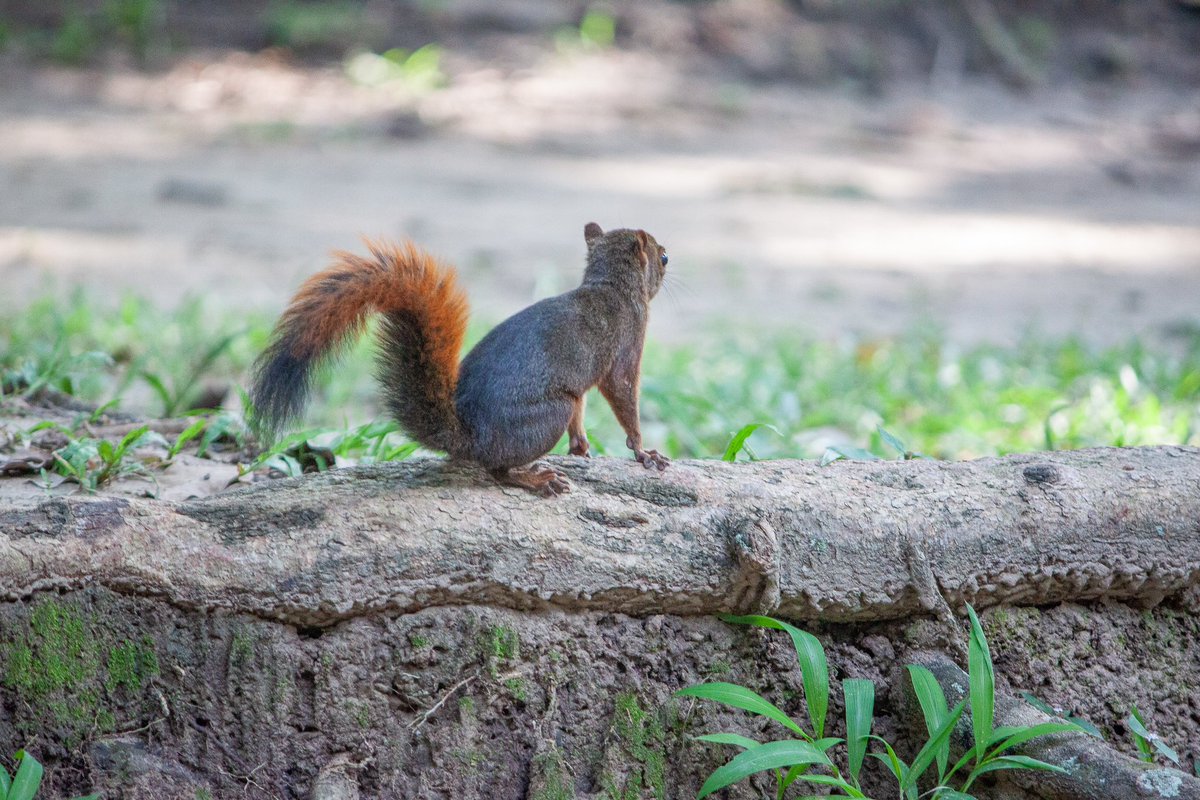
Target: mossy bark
415,631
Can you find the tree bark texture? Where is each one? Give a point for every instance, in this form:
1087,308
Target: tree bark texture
853,541
415,631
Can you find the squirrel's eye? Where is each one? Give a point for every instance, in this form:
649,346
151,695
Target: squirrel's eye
663,258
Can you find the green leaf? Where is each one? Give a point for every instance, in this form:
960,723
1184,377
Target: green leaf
28,778
952,794
891,440
740,697
1014,762
891,760
962,762
938,738
1026,734
1082,724
739,439
771,755
830,780
402,452
1040,705
860,710
191,432
1138,726
792,774
983,686
744,742
813,666
5,783
828,457
160,389
1086,727
131,440
839,452
933,706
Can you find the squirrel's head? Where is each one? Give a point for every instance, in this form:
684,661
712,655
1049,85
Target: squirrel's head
625,255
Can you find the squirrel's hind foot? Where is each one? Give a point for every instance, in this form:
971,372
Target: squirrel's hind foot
539,479
651,459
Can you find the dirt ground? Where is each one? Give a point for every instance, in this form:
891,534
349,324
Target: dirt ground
837,206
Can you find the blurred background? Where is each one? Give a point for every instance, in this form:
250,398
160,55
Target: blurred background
873,208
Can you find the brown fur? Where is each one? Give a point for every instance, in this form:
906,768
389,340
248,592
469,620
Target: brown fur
331,308
516,392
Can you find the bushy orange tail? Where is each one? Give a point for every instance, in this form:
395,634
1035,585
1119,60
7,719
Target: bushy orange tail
424,320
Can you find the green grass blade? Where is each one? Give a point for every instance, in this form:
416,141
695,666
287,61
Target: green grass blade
933,705
1085,727
131,440
927,753
1145,738
201,367
771,755
824,744
160,389
962,762
792,774
731,694
860,710
402,452
1165,750
847,452
1040,705
1137,727
891,760
892,441
983,686
1026,734
745,742
1082,724
831,780
1014,762
191,432
813,665
739,439
28,778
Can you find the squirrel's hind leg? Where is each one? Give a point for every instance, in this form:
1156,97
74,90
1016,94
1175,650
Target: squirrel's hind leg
539,479
577,435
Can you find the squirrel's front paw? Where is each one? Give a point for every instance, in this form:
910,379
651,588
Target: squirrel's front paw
651,458
580,447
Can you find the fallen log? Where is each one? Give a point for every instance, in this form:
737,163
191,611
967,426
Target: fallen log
852,541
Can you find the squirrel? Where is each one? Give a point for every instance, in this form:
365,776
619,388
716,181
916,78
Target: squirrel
511,398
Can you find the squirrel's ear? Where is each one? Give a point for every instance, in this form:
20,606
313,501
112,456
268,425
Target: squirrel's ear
643,243
592,232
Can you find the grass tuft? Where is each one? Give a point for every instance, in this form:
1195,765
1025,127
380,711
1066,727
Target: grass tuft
773,395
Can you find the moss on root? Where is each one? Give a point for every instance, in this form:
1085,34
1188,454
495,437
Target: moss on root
66,669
